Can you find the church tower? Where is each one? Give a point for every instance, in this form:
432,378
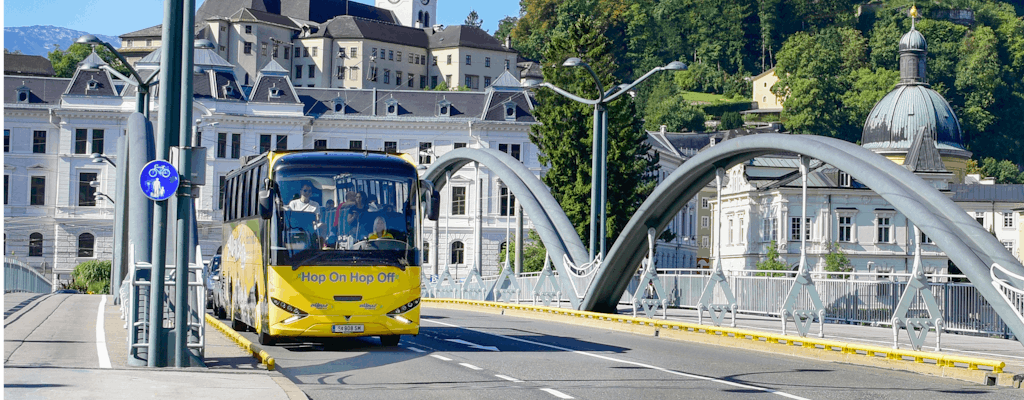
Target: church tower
412,13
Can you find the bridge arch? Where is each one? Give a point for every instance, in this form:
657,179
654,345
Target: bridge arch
556,232
972,249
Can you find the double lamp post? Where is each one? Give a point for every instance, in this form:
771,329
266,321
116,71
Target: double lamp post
599,160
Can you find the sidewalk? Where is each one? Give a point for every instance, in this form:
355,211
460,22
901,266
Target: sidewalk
230,373
1009,351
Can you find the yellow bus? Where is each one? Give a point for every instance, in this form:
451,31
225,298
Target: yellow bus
323,244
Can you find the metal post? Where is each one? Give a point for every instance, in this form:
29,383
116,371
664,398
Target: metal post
140,210
603,196
519,238
447,238
803,214
170,92
183,215
479,226
118,270
595,182
719,177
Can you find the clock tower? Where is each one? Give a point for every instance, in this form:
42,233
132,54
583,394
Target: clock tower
412,13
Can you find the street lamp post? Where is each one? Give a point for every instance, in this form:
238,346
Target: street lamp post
599,161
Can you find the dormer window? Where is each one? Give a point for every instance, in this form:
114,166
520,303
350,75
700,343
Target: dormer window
275,92
339,105
444,108
391,106
24,94
229,91
510,111
93,84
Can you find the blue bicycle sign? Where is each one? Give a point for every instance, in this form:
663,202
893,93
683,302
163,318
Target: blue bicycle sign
159,180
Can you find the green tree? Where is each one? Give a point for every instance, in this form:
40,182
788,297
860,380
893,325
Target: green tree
93,275
441,87
505,27
1004,171
837,261
731,120
676,114
533,252
564,135
977,79
473,19
66,62
772,262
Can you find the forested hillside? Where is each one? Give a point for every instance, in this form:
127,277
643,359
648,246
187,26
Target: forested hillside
836,57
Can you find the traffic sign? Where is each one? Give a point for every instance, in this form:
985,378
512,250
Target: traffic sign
159,180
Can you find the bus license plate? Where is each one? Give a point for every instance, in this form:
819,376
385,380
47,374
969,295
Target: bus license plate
350,328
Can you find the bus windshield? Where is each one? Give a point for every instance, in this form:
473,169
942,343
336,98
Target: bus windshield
345,215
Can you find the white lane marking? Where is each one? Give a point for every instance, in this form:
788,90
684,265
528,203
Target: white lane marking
442,358
417,350
557,393
471,366
101,337
473,345
509,378
683,374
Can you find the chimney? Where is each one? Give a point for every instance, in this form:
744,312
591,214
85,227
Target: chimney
663,129
508,42
419,24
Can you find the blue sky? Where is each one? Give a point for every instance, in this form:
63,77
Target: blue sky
110,17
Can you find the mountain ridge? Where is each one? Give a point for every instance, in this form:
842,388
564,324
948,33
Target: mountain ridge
39,40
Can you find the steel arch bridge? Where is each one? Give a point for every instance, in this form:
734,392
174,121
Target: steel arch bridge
965,242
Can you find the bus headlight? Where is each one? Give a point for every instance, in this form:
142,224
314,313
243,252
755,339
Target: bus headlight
297,314
404,308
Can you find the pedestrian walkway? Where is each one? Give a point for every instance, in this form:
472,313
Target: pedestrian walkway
1007,350
229,372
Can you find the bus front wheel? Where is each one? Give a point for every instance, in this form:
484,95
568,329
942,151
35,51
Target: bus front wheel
389,340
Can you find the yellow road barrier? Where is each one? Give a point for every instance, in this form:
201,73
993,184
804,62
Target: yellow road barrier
941,360
242,342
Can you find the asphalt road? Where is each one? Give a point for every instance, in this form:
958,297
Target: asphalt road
467,355
59,330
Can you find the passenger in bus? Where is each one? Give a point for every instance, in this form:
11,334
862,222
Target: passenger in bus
304,203
380,230
355,214
343,210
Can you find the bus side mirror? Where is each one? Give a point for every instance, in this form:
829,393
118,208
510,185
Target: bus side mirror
434,207
266,204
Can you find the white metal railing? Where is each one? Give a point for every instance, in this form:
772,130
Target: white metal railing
848,297
1009,293
20,277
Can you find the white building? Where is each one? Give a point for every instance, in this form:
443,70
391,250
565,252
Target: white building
344,44
53,125
914,127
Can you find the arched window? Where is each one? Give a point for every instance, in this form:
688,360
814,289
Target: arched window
86,242
35,245
426,19
458,249
420,19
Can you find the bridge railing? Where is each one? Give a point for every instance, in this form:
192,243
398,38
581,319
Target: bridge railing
20,277
853,298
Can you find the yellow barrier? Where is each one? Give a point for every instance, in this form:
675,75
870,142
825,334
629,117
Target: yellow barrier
941,360
242,342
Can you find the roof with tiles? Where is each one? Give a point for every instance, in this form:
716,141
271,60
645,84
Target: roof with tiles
41,91
349,27
413,104
963,192
27,65
273,86
463,36
91,82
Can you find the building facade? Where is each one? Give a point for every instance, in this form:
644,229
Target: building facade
55,220
343,44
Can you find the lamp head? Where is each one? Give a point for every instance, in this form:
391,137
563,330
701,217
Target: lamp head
203,44
89,39
572,62
94,184
676,66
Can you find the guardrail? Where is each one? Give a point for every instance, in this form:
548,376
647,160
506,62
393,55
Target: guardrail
20,277
853,298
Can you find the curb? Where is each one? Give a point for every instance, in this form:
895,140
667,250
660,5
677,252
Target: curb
245,344
922,362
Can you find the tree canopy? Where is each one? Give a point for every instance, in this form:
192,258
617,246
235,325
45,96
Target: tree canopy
66,62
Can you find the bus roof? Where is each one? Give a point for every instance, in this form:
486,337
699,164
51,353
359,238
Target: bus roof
304,156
